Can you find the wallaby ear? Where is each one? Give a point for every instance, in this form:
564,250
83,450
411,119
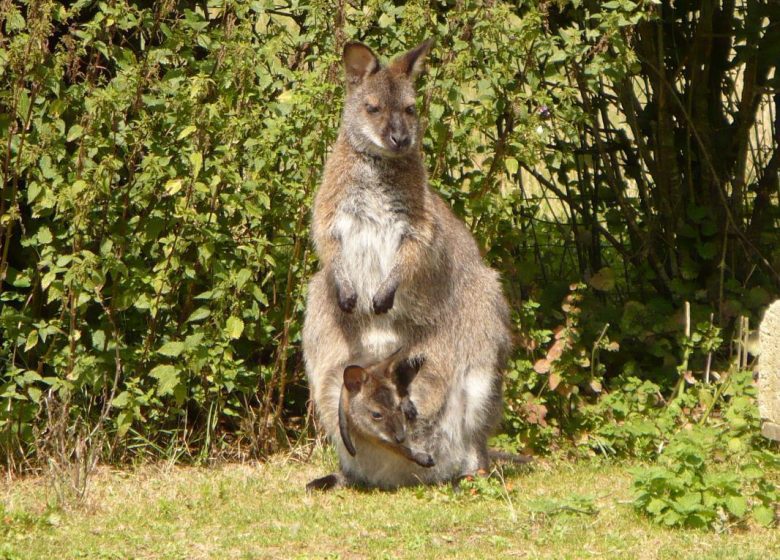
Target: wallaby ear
354,377
412,63
359,62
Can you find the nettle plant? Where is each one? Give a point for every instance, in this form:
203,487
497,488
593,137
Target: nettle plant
684,489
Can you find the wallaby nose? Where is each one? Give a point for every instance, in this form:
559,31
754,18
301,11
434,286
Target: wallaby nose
399,141
400,437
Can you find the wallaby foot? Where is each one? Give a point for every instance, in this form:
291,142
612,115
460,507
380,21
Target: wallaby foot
329,482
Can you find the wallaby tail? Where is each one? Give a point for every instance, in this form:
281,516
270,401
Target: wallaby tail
504,457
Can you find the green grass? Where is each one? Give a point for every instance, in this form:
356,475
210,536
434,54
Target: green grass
550,510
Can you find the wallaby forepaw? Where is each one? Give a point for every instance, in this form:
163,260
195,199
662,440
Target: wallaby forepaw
408,408
347,300
424,460
383,301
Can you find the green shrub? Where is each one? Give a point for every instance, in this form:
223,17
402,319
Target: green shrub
160,157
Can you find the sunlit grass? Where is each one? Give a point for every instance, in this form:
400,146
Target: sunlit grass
553,509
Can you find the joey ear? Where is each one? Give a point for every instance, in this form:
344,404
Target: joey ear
359,62
406,371
344,423
354,377
385,367
412,62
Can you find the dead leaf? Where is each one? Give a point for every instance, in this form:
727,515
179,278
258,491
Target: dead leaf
535,413
555,380
556,350
542,366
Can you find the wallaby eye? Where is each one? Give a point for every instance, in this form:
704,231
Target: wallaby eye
410,110
371,108
376,415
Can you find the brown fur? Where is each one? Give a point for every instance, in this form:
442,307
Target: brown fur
400,269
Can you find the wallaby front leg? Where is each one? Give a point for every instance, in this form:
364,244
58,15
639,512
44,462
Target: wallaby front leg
405,373
345,290
406,262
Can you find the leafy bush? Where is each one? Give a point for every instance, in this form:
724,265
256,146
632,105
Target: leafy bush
160,157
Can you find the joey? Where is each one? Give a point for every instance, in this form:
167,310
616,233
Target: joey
375,408
375,405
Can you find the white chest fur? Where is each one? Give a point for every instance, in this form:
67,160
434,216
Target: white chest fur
370,226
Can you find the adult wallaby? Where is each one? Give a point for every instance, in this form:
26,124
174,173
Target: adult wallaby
374,411
398,269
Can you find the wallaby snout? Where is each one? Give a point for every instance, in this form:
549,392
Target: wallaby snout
399,141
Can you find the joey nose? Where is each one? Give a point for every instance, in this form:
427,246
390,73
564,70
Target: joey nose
400,437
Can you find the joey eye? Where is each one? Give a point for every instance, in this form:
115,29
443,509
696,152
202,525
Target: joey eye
371,108
410,110
376,415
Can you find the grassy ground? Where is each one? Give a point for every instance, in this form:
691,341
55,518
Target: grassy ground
550,510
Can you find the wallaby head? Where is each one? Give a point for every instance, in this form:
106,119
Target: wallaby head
380,117
374,404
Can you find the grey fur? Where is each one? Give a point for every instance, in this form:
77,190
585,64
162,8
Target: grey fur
419,282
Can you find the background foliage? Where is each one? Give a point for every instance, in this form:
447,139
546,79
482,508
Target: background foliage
159,158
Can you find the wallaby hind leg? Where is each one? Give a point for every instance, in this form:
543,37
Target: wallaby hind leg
329,482
483,457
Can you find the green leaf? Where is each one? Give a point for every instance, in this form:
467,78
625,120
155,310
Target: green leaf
199,314
32,340
75,132
33,190
123,422
737,505
511,165
186,131
764,515
603,280
386,20
234,327
197,163
99,339
34,393
167,378
242,277
44,235
172,349
173,186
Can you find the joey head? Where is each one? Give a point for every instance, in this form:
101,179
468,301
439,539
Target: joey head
375,408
